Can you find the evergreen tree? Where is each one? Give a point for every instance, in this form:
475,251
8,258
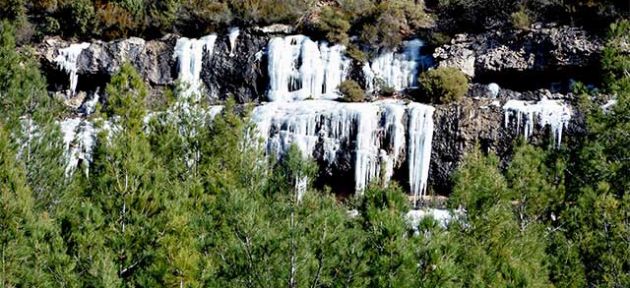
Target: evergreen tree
500,251
597,222
32,253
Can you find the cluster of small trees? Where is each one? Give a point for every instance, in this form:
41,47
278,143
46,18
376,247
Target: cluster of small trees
379,24
192,205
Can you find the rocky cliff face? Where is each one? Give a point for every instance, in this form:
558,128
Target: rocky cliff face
239,64
545,52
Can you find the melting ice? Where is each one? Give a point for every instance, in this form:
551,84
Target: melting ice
67,61
300,68
554,113
373,132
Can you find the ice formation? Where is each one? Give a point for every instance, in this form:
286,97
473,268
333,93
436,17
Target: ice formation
374,134
554,113
67,61
233,36
78,138
494,89
396,70
300,68
189,54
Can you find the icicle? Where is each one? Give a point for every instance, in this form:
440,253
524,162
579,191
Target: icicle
374,131
300,69
232,36
420,141
189,55
396,70
67,61
554,113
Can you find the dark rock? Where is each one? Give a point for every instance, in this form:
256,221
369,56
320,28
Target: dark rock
243,74
543,48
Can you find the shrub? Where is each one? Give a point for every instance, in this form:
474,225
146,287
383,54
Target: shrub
356,53
351,91
77,17
521,20
334,25
444,85
116,21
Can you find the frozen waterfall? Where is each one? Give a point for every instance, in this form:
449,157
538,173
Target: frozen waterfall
189,54
373,134
299,69
67,61
554,113
79,137
398,70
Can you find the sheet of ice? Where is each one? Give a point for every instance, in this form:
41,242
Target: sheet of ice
300,68
398,70
374,133
554,113
189,54
67,61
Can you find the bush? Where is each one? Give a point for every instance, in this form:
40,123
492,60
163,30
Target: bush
444,85
351,91
77,18
333,24
392,21
521,20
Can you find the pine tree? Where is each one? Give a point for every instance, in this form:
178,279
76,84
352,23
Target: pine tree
597,222
500,250
31,250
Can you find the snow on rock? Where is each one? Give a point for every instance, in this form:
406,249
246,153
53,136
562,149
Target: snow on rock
67,61
554,113
374,133
189,54
300,68
396,70
233,36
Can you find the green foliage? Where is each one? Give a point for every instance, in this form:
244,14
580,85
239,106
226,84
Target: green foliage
351,91
22,87
444,84
538,186
521,20
473,15
479,184
77,17
126,95
334,25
